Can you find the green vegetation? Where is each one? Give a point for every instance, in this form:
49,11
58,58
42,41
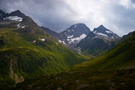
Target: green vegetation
83,80
114,70
31,59
96,46
30,51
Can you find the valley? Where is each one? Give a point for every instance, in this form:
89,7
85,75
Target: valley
33,57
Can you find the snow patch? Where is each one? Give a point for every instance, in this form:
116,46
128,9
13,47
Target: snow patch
34,41
78,49
94,37
101,34
77,38
75,26
70,36
14,18
108,31
23,27
20,26
42,39
69,30
68,39
62,42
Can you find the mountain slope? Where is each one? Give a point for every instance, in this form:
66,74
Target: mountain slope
54,34
93,45
27,50
74,34
120,57
98,41
114,70
105,33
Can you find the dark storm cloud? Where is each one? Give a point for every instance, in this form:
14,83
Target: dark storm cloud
54,14
120,18
133,1
116,15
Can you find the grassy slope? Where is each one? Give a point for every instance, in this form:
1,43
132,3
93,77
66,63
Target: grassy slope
21,58
122,56
113,71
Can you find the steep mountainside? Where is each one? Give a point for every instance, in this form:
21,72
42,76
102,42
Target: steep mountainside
27,50
78,37
105,33
54,34
74,34
122,56
2,14
98,41
114,70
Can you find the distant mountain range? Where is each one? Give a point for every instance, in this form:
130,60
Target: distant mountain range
80,38
115,70
98,41
105,33
34,57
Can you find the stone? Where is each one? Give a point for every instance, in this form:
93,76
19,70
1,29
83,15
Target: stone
82,86
58,78
71,72
59,88
65,84
77,81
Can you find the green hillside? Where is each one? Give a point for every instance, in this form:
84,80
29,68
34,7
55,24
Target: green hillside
122,56
27,50
114,70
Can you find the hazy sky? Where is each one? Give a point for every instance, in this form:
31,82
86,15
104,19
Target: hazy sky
58,15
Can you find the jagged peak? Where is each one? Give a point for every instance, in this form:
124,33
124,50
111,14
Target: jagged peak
1,11
102,26
18,13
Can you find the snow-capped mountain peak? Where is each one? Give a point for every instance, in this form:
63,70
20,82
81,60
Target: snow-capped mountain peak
17,13
13,16
105,33
74,34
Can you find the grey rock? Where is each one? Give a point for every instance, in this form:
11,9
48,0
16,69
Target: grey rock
65,84
82,86
59,88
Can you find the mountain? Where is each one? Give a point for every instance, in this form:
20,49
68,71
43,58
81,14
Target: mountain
26,50
115,70
54,34
98,41
122,56
17,13
105,33
78,37
2,14
11,15
125,37
74,34
94,46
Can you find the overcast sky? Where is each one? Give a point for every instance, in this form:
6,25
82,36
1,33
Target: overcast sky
58,15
